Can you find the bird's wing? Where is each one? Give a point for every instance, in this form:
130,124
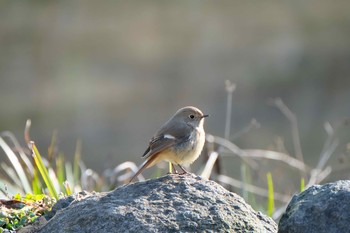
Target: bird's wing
158,144
167,136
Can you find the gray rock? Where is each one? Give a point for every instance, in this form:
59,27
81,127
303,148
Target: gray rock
320,208
173,203
65,202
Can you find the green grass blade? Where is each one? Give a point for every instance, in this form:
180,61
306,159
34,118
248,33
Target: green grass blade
77,157
36,184
69,173
16,165
60,171
43,171
271,199
245,179
27,161
302,184
67,188
52,147
10,172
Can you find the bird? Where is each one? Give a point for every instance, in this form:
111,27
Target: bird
179,141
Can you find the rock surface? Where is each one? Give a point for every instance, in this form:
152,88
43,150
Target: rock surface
173,203
320,208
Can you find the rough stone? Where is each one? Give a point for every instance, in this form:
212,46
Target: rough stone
173,203
320,208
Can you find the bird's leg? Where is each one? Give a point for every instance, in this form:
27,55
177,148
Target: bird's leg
174,169
183,169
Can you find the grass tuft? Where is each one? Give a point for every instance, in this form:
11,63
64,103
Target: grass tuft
271,198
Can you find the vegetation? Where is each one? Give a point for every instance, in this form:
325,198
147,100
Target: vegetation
37,182
19,211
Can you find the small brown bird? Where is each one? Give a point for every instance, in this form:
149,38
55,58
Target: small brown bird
179,141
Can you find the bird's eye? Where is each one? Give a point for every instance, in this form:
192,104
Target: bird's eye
191,116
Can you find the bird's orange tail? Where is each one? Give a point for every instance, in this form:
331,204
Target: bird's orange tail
149,163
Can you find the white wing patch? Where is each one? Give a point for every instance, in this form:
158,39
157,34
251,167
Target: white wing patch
168,136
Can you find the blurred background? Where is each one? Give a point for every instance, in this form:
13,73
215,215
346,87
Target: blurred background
110,73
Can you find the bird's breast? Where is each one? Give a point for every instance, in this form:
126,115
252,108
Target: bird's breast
189,150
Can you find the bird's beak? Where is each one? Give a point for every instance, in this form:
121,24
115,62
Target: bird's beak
206,115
